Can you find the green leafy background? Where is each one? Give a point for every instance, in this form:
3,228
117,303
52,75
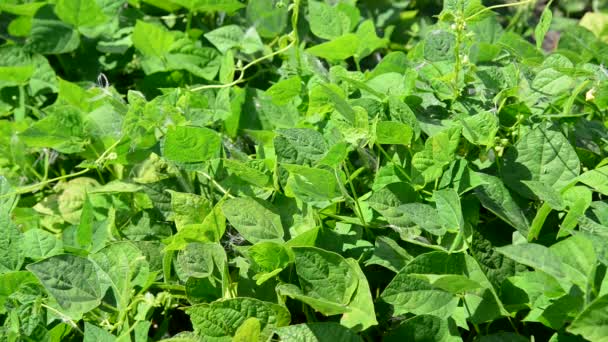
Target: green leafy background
305,170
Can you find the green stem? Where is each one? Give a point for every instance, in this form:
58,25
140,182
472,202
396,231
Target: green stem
355,197
242,70
524,2
294,27
188,22
20,112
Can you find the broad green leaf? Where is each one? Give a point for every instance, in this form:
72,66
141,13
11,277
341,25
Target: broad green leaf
312,185
11,240
361,314
188,208
49,35
285,90
248,331
325,275
401,112
269,20
269,255
326,21
302,146
439,151
185,144
409,294
423,328
126,267
578,259
24,9
256,220
62,131
317,332
536,256
151,39
93,333
200,260
14,76
495,197
596,179
546,193
368,40
232,36
389,254
324,306
79,13
391,132
219,321
592,323
437,263
11,283
449,209
337,49
39,244
480,129
439,46
72,280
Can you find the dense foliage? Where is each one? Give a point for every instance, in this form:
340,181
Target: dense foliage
306,170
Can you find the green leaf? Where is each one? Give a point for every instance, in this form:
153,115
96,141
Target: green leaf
361,315
315,186
391,132
232,36
337,49
200,260
317,332
450,211
248,331
408,294
423,328
546,193
62,131
439,46
185,144
480,129
543,26
495,197
126,267
14,76
439,151
536,256
188,208
219,321
325,275
80,13
326,21
49,35
389,254
543,154
72,280
592,323
93,333
301,146
285,90
11,252
151,39
39,244
270,257
254,219
269,20
596,179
